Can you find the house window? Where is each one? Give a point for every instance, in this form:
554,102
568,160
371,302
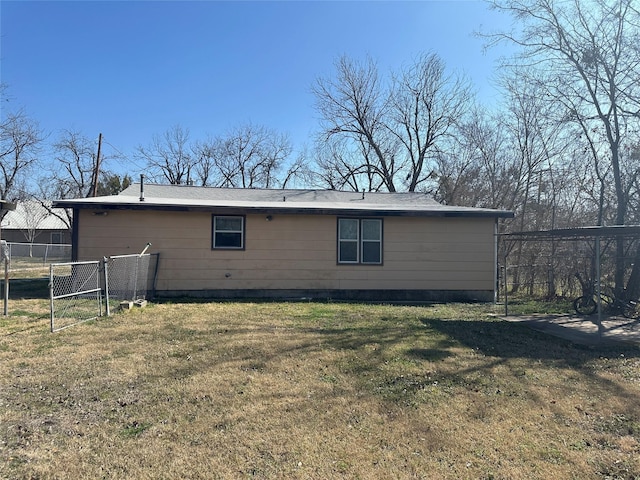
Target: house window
360,240
228,232
57,237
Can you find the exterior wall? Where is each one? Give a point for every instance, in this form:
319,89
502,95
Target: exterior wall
296,253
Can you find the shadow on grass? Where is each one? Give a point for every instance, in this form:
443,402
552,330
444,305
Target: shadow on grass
428,354
402,362
27,288
493,338
510,340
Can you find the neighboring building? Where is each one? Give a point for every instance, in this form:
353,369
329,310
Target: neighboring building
258,243
32,222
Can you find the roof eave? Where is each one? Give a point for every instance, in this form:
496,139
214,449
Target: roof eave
275,209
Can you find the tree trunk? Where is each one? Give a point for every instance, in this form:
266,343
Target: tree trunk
633,285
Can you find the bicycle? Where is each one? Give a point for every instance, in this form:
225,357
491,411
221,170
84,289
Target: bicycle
588,304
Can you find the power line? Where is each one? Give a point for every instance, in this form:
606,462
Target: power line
129,158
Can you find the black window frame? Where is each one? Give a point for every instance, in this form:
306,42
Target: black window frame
242,232
360,241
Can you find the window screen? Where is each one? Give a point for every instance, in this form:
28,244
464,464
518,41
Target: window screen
348,240
228,232
371,241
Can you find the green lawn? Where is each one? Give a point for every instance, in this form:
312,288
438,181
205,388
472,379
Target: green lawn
311,391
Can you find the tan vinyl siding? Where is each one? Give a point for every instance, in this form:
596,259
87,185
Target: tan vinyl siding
296,251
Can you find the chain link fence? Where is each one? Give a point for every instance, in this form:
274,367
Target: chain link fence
130,277
33,259
77,289
40,252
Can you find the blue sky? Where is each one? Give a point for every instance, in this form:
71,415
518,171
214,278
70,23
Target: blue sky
132,69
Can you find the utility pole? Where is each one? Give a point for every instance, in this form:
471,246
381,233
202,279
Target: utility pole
96,170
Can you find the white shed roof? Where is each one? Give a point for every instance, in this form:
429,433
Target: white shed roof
31,214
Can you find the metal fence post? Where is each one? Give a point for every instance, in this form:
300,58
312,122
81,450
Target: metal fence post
106,284
135,278
51,293
506,289
6,287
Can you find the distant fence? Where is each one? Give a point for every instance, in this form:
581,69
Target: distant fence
39,252
77,289
29,260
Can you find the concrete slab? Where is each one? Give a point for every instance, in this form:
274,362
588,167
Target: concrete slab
584,330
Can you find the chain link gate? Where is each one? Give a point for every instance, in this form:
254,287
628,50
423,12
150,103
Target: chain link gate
76,288
75,293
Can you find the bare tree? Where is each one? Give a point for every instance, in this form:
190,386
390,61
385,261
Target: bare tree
355,106
426,104
537,143
456,175
534,144
205,170
340,165
588,51
392,132
634,206
33,214
72,173
498,174
296,172
169,156
247,156
20,144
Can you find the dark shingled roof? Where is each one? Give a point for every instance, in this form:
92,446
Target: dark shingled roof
244,200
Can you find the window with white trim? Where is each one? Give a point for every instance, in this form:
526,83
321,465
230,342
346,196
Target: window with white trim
228,232
360,240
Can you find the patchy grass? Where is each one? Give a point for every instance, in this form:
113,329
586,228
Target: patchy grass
525,305
309,390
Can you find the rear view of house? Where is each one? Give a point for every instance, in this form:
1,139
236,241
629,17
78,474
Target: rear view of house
260,243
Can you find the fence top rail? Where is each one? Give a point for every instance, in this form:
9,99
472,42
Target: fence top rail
131,255
65,264
576,233
41,244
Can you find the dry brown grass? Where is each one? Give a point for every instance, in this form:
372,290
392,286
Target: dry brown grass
311,391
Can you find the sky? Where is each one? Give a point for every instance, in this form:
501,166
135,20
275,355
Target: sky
134,69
